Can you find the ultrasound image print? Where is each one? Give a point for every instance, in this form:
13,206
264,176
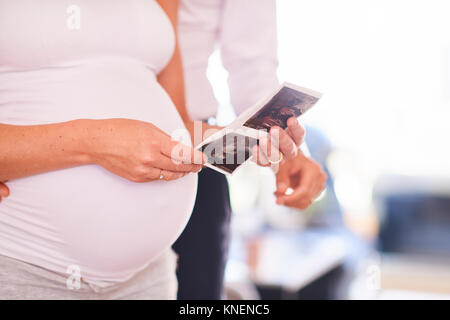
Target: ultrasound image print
230,151
285,104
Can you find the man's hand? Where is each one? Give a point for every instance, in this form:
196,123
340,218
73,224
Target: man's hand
4,191
304,176
281,141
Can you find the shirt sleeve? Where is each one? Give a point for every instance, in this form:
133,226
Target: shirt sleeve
248,44
198,30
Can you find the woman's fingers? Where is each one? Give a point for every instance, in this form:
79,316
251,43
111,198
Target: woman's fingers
281,140
170,175
155,174
295,131
165,163
179,152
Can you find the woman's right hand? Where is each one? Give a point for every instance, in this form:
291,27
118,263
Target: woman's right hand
139,151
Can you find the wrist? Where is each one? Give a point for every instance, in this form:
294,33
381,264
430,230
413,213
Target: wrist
89,141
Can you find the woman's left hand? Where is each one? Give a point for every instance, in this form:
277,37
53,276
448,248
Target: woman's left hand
280,144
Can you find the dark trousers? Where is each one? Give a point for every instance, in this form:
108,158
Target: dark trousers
203,246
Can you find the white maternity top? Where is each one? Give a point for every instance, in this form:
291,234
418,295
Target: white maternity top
62,60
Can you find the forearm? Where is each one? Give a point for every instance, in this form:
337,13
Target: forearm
29,150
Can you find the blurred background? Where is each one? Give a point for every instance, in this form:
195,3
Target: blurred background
381,229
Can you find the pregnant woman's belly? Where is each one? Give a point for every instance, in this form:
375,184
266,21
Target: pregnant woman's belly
86,216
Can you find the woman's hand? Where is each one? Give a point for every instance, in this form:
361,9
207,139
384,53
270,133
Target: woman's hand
141,152
135,150
304,176
4,191
280,141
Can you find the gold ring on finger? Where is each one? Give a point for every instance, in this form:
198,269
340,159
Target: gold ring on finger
278,161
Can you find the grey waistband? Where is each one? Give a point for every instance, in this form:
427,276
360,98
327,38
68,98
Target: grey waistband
20,280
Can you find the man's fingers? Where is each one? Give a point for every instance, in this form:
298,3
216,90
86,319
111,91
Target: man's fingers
320,185
182,153
302,192
270,150
296,131
302,204
282,187
259,157
302,201
299,194
282,178
4,190
281,139
295,168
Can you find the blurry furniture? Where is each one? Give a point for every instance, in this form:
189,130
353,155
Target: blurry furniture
415,273
414,238
401,278
292,260
291,265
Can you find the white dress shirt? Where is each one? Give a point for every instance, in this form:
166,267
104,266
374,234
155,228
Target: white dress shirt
245,33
